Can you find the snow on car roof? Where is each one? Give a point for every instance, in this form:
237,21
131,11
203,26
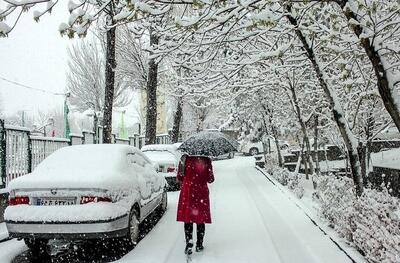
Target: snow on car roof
160,147
97,165
161,157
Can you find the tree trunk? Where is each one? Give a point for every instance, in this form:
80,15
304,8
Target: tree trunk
269,113
385,91
177,122
316,155
151,89
109,88
305,162
337,110
278,150
303,127
362,153
201,116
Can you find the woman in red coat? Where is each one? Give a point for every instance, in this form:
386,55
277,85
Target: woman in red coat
194,204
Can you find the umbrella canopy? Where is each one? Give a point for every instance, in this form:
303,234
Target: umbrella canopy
210,143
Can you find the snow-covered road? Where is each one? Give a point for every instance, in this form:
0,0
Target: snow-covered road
253,222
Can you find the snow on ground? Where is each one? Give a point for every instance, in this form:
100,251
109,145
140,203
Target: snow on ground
10,249
253,221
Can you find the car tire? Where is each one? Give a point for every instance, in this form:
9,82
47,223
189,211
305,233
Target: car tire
37,245
132,237
284,147
253,151
231,155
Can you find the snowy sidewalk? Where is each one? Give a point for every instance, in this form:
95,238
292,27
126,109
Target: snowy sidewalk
253,222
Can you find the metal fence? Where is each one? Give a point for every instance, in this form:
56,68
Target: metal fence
21,152
41,147
16,153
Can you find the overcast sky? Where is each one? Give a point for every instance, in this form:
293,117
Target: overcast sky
35,55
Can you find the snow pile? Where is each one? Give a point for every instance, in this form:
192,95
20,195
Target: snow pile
159,147
371,222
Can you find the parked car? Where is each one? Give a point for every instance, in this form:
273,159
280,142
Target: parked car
166,158
85,192
256,147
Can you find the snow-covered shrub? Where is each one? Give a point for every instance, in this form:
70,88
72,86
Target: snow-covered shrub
289,179
281,175
270,163
294,185
377,226
336,198
370,222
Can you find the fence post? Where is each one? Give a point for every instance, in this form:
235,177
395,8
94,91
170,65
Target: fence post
29,152
3,153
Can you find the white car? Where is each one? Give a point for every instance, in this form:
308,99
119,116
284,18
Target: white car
166,158
255,148
85,192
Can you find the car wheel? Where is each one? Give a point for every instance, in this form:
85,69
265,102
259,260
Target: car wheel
133,228
231,155
253,151
284,147
37,245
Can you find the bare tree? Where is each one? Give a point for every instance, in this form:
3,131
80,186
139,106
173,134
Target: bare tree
86,80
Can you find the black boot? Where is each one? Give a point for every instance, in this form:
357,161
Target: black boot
201,228
199,247
188,238
189,247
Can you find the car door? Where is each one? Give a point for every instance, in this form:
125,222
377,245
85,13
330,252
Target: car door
155,183
138,165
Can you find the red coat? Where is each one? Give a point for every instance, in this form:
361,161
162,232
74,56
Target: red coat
194,201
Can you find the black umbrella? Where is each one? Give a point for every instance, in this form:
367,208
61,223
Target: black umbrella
209,143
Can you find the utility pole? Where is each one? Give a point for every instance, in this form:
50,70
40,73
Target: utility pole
66,122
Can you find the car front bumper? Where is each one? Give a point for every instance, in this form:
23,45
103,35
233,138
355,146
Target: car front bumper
116,227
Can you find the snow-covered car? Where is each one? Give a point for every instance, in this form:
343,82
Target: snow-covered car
252,148
166,158
85,192
256,147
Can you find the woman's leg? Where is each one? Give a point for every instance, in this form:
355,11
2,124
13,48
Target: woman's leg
188,231
188,237
201,229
